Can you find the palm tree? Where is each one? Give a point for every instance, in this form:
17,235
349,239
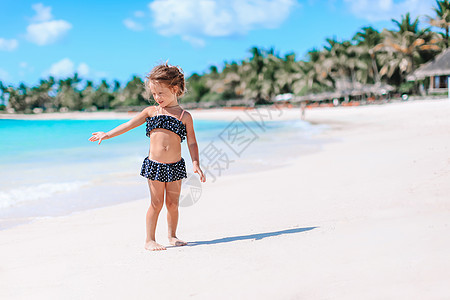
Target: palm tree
88,95
402,49
133,93
232,81
258,75
288,74
68,95
117,88
442,18
3,90
102,95
315,76
213,82
253,74
40,95
116,95
368,38
17,98
270,84
196,88
344,64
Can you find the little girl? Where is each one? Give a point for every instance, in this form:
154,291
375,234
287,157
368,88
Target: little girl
167,126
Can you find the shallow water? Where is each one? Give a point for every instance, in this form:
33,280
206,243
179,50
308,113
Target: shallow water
49,168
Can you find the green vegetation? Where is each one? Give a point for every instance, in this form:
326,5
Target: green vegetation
369,57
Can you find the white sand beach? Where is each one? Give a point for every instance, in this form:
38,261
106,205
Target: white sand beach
366,217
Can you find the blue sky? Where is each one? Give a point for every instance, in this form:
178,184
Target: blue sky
119,39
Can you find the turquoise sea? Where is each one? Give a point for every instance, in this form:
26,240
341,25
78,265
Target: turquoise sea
49,168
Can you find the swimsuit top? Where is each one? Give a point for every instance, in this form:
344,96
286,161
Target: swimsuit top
166,122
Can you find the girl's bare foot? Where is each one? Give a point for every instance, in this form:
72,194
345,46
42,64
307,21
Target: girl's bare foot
153,245
174,241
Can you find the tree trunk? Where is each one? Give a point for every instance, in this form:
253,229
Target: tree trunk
375,68
353,76
446,35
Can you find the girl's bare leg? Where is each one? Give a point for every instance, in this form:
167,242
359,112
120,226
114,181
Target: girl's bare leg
157,202
172,196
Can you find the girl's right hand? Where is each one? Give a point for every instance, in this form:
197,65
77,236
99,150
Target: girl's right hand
99,136
199,172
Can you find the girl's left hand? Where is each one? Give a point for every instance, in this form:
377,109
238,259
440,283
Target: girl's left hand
199,172
99,136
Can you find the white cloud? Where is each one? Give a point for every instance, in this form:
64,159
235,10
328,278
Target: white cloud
25,68
43,13
139,14
132,25
43,30
83,70
196,42
194,20
8,45
62,68
379,10
4,76
66,67
47,32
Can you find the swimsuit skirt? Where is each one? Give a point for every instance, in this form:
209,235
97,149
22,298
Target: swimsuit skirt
154,170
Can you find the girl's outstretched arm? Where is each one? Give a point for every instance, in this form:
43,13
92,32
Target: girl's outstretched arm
135,122
193,147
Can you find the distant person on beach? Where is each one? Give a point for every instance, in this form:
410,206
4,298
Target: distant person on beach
302,109
167,126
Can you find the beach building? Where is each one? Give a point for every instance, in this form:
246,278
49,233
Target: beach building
438,70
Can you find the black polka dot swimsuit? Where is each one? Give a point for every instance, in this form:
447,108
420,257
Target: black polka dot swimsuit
163,172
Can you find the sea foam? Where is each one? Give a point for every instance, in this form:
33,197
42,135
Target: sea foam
21,195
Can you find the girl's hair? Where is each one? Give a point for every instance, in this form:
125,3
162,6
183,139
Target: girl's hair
169,75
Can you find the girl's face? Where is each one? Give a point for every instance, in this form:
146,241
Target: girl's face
162,93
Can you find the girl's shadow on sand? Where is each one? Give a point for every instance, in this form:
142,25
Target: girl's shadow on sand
257,236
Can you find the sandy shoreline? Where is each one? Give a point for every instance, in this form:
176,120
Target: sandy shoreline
367,217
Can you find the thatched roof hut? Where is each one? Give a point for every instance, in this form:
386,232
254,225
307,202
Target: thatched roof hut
438,70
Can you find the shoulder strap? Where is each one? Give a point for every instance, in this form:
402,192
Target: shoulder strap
181,115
